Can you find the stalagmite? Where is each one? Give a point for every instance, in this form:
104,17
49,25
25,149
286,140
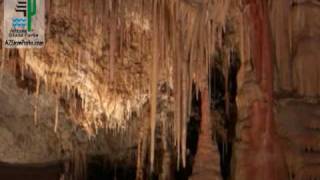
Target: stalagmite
206,165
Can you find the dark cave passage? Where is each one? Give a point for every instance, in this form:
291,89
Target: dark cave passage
224,131
99,169
192,136
49,171
224,103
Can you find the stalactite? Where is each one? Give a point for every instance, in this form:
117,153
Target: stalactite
65,7
48,23
78,57
56,120
139,162
184,116
79,162
154,80
46,85
113,44
242,35
36,100
139,172
226,67
175,78
79,11
178,111
290,31
71,6
14,67
166,162
23,64
3,58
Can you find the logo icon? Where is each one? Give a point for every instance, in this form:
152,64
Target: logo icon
22,7
24,22
29,9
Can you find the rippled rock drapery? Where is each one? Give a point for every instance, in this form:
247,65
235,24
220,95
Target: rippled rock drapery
296,31
258,151
296,37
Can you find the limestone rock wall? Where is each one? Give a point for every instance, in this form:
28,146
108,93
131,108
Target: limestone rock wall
296,36
296,32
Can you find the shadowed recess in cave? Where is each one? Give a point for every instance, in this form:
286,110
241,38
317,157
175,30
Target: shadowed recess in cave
192,136
223,94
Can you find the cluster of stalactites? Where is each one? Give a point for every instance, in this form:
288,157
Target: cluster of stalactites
90,71
185,33
184,36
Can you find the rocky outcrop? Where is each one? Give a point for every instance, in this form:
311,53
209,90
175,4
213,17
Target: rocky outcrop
21,140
